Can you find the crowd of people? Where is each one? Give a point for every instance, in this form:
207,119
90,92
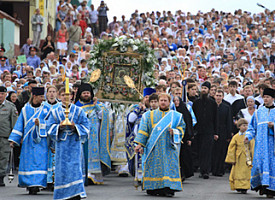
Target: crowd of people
226,101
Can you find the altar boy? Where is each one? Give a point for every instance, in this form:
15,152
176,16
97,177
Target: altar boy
68,168
238,155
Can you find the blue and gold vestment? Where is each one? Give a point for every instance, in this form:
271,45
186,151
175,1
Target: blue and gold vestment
160,161
97,147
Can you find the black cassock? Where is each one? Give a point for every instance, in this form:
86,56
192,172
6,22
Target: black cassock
220,146
236,107
186,164
207,120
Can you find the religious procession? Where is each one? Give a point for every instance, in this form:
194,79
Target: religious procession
160,97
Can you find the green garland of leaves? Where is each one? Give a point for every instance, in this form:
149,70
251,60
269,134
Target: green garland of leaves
122,44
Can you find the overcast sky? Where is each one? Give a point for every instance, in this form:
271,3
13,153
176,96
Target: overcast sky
126,7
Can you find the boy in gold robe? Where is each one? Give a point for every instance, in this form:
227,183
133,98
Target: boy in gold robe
240,156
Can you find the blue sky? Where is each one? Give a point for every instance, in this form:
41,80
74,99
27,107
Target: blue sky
126,7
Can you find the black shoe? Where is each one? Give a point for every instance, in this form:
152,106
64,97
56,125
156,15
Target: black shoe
139,183
261,192
219,175
169,195
75,198
50,187
243,191
205,176
183,178
33,190
90,182
151,192
157,192
168,192
2,184
123,175
161,193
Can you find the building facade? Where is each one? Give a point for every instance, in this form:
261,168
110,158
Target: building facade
22,10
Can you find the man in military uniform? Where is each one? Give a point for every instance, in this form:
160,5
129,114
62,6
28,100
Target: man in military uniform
33,60
3,64
2,52
8,117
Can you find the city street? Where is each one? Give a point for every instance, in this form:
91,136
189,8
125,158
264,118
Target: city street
117,188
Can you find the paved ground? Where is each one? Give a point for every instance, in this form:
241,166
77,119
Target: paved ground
117,188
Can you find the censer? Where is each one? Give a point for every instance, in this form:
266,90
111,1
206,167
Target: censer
248,156
53,167
136,184
11,175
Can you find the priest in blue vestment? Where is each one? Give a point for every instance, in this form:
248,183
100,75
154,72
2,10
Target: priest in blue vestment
30,128
68,183
261,128
159,136
97,147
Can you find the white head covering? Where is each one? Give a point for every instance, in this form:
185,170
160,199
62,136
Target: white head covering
250,97
164,59
45,69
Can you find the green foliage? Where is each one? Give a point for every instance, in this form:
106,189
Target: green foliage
123,44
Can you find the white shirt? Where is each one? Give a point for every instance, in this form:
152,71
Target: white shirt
240,133
3,103
246,115
50,63
93,16
231,99
132,117
167,68
79,8
216,69
169,31
259,99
